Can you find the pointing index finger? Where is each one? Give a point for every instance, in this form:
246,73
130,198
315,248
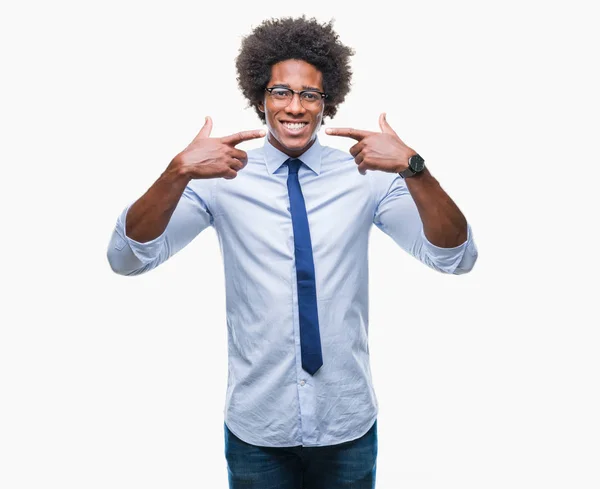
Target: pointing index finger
242,136
348,132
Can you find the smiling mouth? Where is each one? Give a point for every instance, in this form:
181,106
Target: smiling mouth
294,127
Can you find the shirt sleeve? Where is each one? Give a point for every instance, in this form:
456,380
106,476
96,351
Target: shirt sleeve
191,216
397,216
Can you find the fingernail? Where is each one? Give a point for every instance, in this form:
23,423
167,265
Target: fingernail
327,131
263,133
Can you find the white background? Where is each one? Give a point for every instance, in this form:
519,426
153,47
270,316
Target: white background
487,380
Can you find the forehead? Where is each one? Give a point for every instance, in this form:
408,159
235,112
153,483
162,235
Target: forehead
297,74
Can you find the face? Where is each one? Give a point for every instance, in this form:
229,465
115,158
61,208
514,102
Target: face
282,122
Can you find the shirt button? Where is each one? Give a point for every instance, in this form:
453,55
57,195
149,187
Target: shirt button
302,382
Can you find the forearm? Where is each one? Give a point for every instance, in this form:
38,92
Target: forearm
444,224
149,216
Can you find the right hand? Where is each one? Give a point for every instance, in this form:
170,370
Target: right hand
207,157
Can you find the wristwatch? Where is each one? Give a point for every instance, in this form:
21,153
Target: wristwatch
416,164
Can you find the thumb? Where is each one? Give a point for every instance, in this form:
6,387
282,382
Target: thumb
385,127
206,128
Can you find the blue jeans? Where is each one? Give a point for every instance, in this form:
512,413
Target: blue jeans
349,465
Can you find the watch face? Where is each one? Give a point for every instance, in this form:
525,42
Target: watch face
416,163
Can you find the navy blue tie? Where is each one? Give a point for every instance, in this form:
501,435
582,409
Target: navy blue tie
310,338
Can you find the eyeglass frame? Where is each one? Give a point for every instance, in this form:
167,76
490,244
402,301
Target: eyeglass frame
299,92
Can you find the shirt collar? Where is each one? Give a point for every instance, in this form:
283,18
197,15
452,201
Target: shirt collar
275,158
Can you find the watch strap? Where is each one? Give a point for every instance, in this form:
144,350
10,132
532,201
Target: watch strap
406,173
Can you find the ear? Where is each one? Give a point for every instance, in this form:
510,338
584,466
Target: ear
261,107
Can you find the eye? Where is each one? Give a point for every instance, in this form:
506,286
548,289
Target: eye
310,96
280,93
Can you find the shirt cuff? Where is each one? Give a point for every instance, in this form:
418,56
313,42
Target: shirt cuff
459,259
145,252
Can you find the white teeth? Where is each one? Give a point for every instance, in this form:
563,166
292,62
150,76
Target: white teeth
294,125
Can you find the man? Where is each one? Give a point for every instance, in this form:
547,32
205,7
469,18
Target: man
293,220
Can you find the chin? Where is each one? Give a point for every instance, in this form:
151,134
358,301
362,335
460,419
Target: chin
294,144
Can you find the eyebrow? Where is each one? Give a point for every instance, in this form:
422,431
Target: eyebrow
304,87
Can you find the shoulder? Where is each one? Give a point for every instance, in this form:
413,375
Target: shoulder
334,155
200,189
380,182
386,184
255,153
336,162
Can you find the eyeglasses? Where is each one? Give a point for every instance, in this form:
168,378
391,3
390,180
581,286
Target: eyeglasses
282,97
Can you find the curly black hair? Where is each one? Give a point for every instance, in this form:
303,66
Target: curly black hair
276,40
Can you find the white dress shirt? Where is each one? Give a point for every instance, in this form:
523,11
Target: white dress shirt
271,400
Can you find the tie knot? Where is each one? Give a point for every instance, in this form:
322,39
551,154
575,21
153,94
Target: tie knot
294,165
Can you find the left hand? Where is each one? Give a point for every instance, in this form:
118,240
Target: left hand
383,150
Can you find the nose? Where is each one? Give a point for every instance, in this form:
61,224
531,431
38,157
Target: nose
295,106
